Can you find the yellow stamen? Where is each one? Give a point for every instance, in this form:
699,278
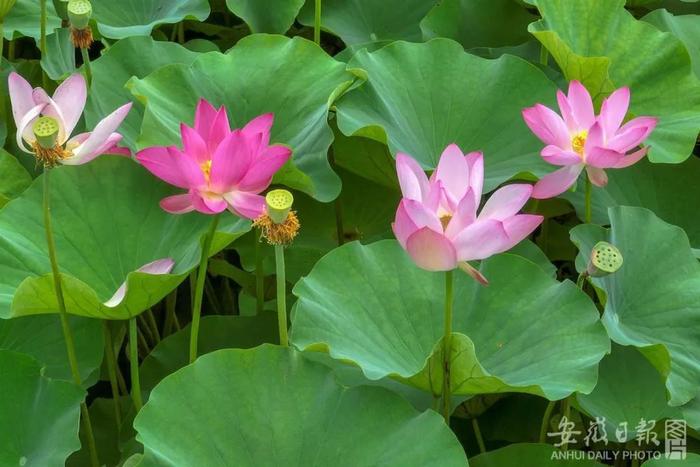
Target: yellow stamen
206,168
445,220
278,234
50,157
578,142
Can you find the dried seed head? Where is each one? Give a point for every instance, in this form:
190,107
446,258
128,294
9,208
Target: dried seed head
278,234
605,259
81,38
79,13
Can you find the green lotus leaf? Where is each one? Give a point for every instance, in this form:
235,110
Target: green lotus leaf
691,459
28,400
685,27
118,20
134,56
691,413
275,16
479,23
15,178
657,70
652,301
42,338
315,421
525,332
215,333
107,224
670,190
293,78
529,455
59,61
366,21
24,19
629,389
454,97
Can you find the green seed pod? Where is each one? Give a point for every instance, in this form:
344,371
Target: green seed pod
5,7
279,203
605,259
46,132
79,13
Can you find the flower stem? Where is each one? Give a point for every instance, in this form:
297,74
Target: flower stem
478,436
447,347
281,295
151,320
544,55
42,33
134,364
112,370
63,315
199,288
589,188
88,66
317,22
259,275
545,421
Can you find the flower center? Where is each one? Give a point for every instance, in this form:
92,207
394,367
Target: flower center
579,141
206,169
445,220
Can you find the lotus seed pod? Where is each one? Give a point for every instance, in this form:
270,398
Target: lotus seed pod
5,7
46,132
605,259
279,203
79,13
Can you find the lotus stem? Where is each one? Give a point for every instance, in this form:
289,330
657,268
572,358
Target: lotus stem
317,22
153,325
199,288
112,371
478,436
447,347
88,67
134,364
63,315
281,295
259,275
544,55
545,421
170,304
42,33
589,188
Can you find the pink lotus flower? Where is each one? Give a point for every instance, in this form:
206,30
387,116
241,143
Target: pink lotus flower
220,168
65,107
437,223
582,140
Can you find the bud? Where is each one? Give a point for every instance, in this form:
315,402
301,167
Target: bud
79,13
605,259
46,132
279,203
5,7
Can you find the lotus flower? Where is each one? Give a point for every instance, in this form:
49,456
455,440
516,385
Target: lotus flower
218,167
581,140
437,222
64,109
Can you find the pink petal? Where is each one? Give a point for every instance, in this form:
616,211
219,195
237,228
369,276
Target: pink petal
597,176
412,178
177,204
547,125
21,97
421,215
246,205
108,147
230,162
453,172
602,158
566,112
260,173
557,156
632,134
204,116
161,266
193,144
630,159
464,215
506,202
206,203
480,240
220,128
581,105
431,250
613,110
24,127
102,132
70,98
595,137
472,271
518,228
557,182
170,165
261,124
403,227
475,160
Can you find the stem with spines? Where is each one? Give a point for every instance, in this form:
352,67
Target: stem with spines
281,295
